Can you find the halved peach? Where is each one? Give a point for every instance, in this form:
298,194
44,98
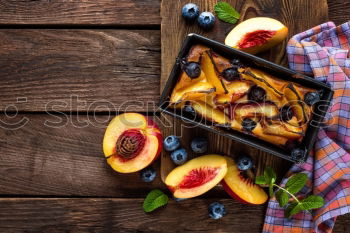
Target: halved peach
211,73
131,142
256,34
197,176
190,89
267,109
240,187
210,113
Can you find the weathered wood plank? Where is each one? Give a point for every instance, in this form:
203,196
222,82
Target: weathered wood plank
298,16
72,70
339,11
61,155
79,12
123,215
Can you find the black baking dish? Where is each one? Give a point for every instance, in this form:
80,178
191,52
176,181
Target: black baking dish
271,68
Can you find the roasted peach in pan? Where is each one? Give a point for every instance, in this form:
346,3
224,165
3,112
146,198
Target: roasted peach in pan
232,94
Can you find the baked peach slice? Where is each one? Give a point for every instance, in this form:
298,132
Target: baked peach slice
294,95
283,129
212,114
196,53
241,187
197,176
236,89
211,73
258,131
131,142
190,89
256,34
266,109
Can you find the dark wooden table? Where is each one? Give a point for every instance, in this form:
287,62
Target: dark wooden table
66,68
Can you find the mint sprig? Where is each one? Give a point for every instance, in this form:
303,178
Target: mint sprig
294,184
154,200
226,12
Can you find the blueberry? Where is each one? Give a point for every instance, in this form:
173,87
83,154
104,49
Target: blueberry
148,174
189,109
179,156
244,162
171,143
248,124
286,113
192,69
199,145
206,20
216,210
190,12
311,98
297,154
236,62
230,74
256,94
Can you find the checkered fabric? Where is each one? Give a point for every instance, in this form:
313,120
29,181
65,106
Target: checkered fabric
323,52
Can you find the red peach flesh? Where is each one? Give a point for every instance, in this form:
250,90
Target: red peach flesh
255,38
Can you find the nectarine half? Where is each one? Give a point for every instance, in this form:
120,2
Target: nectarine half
131,142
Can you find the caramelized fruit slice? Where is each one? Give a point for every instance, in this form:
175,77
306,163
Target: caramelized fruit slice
267,109
220,62
210,113
236,90
264,80
197,176
196,52
295,101
282,129
212,76
188,89
240,187
131,142
274,139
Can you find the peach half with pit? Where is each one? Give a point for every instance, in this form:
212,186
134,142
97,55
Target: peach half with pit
256,34
241,187
131,142
197,176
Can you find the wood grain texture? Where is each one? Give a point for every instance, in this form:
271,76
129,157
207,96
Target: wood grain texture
296,15
123,215
80,12
52,68
339,11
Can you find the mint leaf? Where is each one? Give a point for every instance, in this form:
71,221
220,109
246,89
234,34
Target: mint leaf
154,200
312,202
296,183
226,12
292,209
282,197
261,180
270,175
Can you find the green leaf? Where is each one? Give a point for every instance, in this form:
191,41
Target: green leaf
261,180
282,197
226,12
270,175
292,209
312,202
296,183
154,200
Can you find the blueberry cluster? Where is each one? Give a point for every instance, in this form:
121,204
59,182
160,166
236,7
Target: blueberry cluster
205,20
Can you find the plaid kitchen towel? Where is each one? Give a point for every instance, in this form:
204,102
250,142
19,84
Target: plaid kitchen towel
323,52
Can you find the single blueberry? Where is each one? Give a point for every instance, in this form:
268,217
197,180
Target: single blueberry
298,154
171,143
148,174
192,69
286,113
199,145
236,62
256,94
189,109
190,12
244,162
206,20
216,210
248,124
312,98
179,156
230,74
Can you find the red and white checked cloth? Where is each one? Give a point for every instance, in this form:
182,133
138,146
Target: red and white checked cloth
322,52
